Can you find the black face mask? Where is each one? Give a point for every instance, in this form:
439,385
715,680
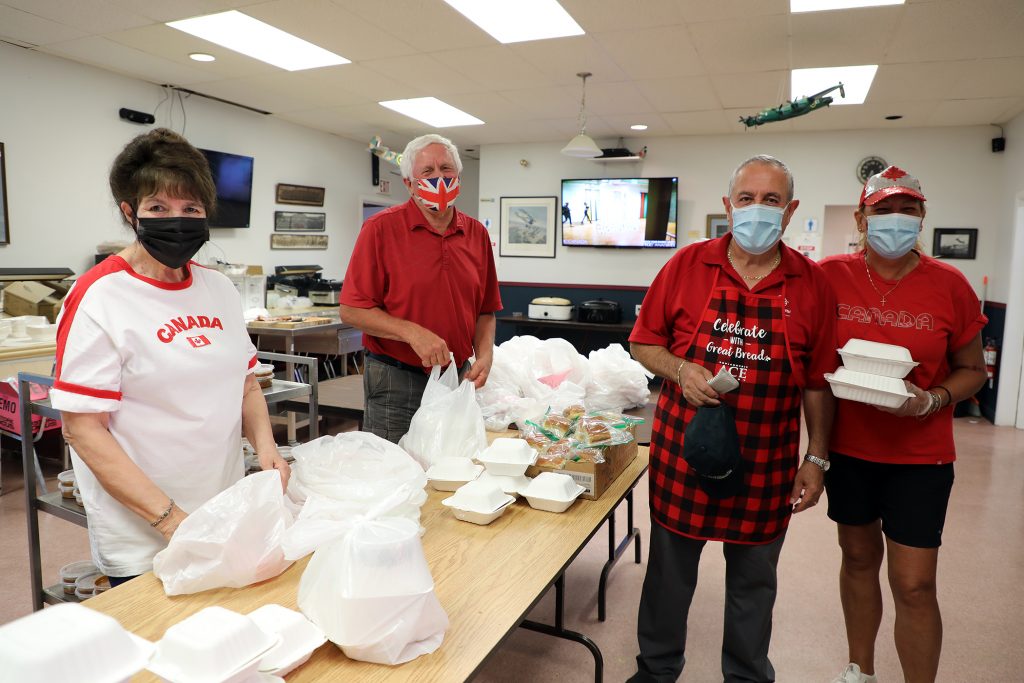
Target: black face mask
172,241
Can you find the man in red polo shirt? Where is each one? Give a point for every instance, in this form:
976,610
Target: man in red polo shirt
746,306
422,287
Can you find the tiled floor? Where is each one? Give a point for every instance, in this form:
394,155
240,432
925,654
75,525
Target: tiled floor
981,567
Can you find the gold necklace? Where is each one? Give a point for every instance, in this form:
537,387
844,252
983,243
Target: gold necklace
871,280
775,263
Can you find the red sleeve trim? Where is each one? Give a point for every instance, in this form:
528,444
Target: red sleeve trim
252,363
87,391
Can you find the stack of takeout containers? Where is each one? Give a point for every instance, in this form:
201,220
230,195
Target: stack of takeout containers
872,373
506,462
299,638
214,645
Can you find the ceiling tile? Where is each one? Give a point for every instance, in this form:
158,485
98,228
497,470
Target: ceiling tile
332,121
563,58
743,44
540,103
696,11
988,78
121,59
846,38
915,82
970,112
427,26
284,92
614,15
693,93
615,98
331,27
489,106
491,65
24,28
959,29
696,122
656,125
755,91
424,74
660,52
88,16
161,10
364,82
868,115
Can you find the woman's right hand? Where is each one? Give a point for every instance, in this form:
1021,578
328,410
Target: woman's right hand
169,524
696,389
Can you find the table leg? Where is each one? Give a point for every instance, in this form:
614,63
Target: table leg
559,631
615,552
289,372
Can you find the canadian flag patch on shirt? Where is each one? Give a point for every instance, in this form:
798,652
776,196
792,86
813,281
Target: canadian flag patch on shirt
198,341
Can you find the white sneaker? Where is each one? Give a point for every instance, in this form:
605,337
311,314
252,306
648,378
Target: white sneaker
852,674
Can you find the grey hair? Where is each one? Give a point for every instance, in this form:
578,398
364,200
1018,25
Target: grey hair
417,145
768,160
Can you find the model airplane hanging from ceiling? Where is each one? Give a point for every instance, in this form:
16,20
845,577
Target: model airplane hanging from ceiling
384,152
793,108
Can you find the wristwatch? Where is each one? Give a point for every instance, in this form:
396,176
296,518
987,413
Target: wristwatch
823,463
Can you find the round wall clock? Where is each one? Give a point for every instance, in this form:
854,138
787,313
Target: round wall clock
870,166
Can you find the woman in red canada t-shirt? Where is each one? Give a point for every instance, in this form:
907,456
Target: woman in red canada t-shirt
892,469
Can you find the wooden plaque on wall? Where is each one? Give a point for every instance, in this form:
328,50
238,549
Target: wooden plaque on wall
300,194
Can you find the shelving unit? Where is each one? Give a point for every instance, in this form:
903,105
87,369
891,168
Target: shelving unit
54,504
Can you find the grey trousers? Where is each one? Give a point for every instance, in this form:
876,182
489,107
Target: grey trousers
750,587
392,397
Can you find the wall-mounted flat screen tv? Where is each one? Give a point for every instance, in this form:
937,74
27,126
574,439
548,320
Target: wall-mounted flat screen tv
620,212
232,174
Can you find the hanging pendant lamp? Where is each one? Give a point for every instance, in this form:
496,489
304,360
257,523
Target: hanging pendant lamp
583,146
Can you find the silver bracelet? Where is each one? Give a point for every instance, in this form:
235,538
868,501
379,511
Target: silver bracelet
166,513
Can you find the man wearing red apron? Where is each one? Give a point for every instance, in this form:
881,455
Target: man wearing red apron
747,305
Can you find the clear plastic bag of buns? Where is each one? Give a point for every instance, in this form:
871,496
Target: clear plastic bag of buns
593,431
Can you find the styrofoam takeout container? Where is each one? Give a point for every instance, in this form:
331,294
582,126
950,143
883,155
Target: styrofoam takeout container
299,638
479,502
876,390
876,358
70,573
507,457
214,645
552,492
43,332
70,642
513,486
449,474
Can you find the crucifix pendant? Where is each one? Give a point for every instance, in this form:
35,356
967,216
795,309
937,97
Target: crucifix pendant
883,301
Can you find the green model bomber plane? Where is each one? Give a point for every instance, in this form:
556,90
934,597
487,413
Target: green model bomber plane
792,109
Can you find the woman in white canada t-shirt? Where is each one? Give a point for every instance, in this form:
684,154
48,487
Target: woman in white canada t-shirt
154,375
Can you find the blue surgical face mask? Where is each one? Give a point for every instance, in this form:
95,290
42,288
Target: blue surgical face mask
757,228
893,235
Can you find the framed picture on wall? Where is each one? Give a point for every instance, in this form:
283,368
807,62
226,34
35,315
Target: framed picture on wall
950,243
298,241
717,225
299,221
5,227
299,194
528,226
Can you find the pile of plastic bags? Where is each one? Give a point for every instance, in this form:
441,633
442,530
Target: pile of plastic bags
353,501
531,375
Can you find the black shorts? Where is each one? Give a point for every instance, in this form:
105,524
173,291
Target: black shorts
910,500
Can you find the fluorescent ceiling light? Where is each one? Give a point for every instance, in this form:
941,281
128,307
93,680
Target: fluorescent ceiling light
797,6
432,112
638,126
856,81
202,57
514,21
252,37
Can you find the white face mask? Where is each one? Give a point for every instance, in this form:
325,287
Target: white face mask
893,235
757,227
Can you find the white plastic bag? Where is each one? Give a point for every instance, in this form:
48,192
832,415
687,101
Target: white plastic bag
448,422
617,382
370,589
232,540
357,470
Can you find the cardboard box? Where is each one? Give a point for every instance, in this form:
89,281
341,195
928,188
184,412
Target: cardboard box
10,408
32,298
596,478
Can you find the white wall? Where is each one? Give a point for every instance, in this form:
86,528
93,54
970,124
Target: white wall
61,131
961,178
1010,259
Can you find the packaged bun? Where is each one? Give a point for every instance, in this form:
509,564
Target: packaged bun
574,411
557,425
590,432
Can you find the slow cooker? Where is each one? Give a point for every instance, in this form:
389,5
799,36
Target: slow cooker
600,311
551,308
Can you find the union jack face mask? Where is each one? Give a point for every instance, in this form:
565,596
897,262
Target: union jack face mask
437,194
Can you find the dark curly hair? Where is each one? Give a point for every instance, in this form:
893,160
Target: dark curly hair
162,161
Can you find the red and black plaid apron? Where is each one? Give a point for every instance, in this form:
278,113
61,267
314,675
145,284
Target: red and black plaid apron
746,333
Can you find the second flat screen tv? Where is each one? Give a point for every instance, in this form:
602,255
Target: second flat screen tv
620,212
232,174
